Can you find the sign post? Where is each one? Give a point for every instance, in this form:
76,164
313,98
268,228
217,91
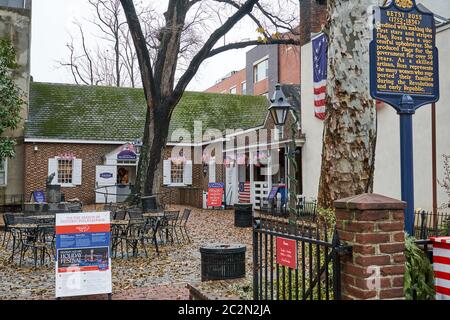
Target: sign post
404,73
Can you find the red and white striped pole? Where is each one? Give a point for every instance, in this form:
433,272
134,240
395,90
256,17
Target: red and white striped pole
441,266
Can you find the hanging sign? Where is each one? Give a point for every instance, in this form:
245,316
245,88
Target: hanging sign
403,56
215,194
83,265
287,253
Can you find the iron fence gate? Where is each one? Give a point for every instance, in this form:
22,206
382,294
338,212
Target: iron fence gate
296,262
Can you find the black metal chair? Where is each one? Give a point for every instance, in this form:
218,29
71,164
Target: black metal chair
169,225
120,215
149,233
35,241
135,214
182,224
8,219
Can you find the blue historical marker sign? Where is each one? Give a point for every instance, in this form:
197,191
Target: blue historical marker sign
404,72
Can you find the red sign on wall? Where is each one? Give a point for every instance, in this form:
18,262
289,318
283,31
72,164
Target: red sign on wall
215,194
287,252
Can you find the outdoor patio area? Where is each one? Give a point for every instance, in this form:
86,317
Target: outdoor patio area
164,276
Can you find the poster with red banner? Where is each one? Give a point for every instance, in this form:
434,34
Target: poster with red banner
287,253
215,194
83,262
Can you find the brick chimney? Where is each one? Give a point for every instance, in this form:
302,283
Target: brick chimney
313,15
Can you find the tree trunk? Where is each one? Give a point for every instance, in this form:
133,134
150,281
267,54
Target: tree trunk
350,129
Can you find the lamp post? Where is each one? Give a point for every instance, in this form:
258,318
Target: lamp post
279,110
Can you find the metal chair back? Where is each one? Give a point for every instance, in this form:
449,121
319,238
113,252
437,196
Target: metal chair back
120,215
186,215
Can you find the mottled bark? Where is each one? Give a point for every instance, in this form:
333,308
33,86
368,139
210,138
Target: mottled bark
350,129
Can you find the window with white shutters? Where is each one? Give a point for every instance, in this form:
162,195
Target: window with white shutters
68,171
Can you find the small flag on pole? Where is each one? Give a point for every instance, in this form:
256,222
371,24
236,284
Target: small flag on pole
320,65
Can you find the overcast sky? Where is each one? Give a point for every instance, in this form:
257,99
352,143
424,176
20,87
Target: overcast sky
53,20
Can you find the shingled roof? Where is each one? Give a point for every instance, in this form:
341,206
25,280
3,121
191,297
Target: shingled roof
75,112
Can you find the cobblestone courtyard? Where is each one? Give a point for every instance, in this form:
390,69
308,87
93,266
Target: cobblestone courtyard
156,277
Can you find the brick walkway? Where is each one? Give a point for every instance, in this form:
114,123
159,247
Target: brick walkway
161,292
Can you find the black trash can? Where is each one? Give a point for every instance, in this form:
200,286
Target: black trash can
149,203
243,214
223,262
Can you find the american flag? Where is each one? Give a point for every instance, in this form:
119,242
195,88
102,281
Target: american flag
320,55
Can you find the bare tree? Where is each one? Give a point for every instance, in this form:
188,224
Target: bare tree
162,87
112,59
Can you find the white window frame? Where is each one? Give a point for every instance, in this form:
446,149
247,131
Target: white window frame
67,185
234,88
181,167
5,166
71,174
167,176
244,83
255,68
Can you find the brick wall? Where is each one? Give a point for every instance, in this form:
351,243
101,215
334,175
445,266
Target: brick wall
36,167
233,81
313,15
290,64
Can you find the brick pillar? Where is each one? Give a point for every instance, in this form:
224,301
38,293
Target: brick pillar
374,226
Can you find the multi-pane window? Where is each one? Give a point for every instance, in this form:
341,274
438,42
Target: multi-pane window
261,71
3,167
65,171
177,173
244,87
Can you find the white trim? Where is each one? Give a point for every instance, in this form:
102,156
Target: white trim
69,141
177,185
299,142
261,60
6,174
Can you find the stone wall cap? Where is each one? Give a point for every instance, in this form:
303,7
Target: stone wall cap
370,201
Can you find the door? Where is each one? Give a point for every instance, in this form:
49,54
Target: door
105,184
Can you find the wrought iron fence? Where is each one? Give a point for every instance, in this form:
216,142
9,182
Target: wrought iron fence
429,224
309,270
304,210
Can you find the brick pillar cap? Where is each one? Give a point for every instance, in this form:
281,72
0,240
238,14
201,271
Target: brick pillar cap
370,201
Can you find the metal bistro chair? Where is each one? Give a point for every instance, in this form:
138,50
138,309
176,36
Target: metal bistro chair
182,225
8,218
135,214
35,241
169,224
150,232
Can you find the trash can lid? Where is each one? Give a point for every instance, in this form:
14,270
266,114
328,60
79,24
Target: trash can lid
223,248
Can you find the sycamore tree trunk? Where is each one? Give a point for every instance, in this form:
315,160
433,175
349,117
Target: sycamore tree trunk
350,129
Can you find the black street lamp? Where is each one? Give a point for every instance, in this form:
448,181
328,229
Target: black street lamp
279,110
279,107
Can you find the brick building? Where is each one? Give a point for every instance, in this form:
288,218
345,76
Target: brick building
85,135
15,25
266,65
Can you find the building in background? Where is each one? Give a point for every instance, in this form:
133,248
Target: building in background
15,24
387,167
266,65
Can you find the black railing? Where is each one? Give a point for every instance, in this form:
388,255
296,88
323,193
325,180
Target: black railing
316,255
304,210
429,224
